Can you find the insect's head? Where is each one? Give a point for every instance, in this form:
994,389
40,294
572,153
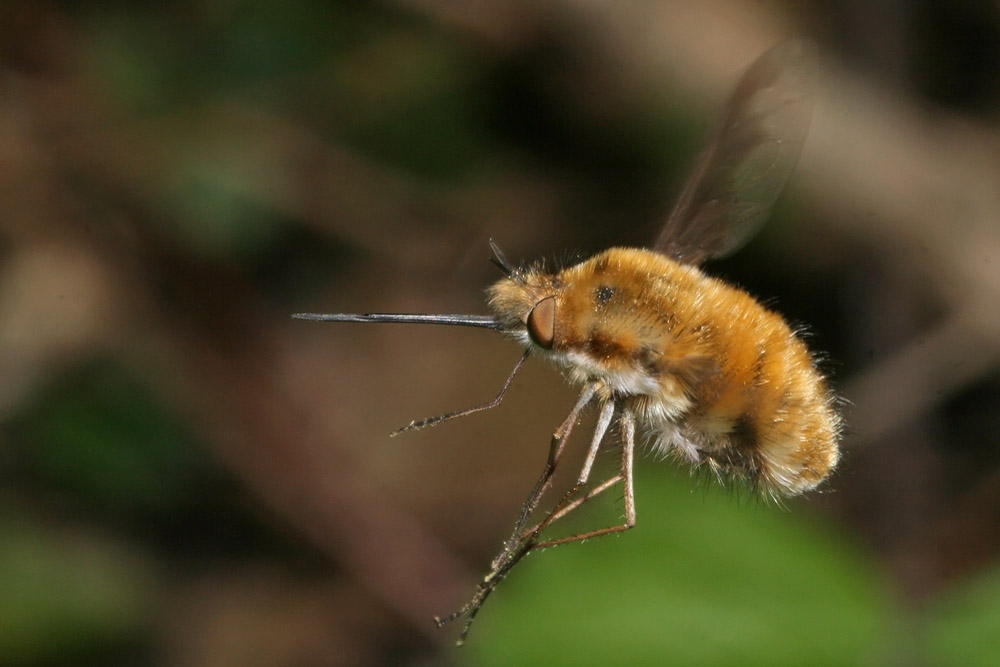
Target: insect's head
525,302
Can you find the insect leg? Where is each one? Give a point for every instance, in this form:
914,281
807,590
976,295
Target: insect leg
627,421
518,545
597,490
488,585
526,543
556,448
418,424
560,510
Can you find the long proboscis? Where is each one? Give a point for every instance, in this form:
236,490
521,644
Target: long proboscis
481,321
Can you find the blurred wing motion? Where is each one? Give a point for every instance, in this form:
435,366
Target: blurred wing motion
739,176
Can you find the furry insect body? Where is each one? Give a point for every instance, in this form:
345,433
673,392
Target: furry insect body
718,379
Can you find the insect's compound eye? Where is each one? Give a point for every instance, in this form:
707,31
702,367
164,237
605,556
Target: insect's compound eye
542,322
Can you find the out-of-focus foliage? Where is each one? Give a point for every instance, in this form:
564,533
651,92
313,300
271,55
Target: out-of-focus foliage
703,580
963,627
101,441
68,596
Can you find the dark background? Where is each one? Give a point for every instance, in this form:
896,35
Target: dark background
190,477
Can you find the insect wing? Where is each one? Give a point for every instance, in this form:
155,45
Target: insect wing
738,178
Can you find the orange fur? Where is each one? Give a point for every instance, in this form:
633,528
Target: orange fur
711,372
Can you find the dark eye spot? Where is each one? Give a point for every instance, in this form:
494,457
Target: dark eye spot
604,294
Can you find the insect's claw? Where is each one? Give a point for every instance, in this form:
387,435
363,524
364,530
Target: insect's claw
414,425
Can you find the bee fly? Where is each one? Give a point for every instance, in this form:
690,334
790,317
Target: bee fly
714,378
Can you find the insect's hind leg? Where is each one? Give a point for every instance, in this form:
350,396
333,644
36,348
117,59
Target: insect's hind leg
528,541
556,448
627,421
569,501
519,545
555,516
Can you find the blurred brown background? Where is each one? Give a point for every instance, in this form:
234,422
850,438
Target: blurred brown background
190,477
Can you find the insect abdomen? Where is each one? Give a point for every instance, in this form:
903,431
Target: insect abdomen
725,381
765,414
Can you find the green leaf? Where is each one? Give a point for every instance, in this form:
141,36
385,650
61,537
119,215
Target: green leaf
66,593
703,579
964,627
